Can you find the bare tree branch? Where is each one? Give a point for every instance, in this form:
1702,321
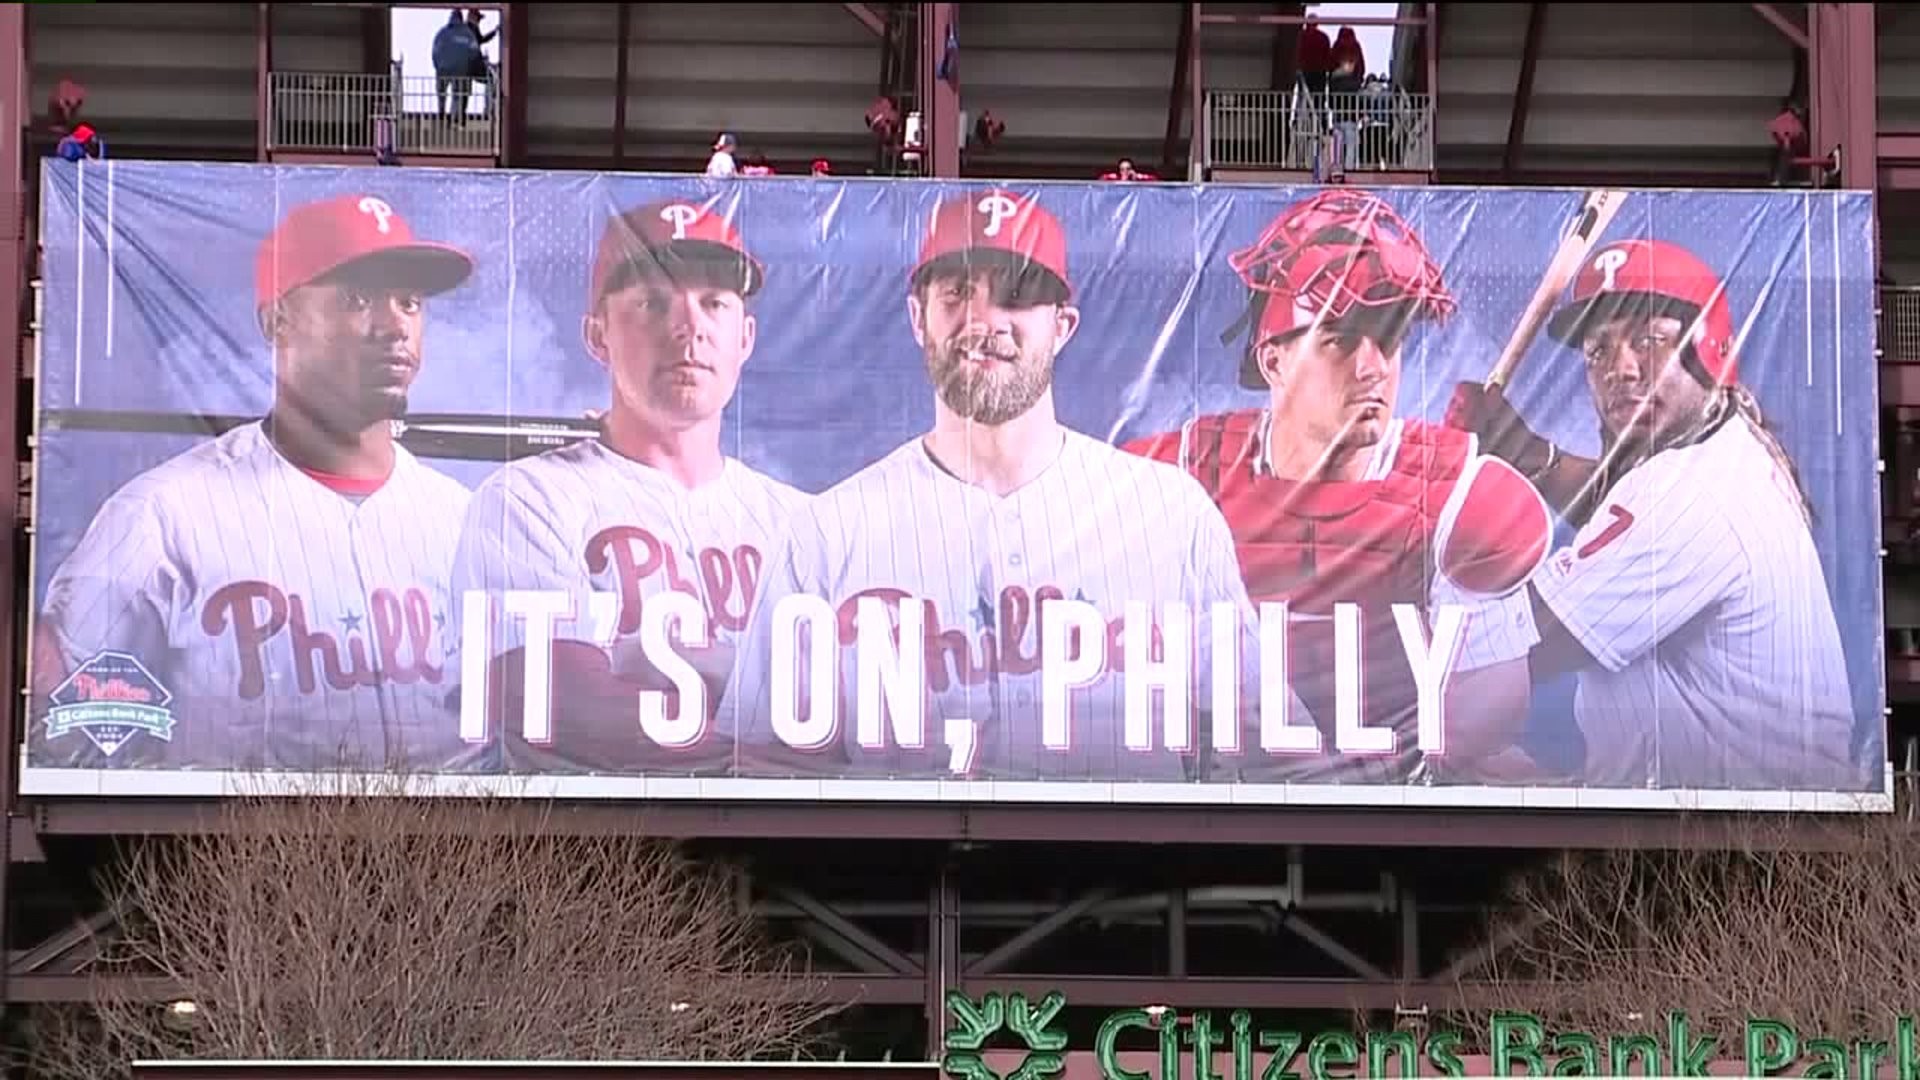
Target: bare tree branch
362,923
1607,942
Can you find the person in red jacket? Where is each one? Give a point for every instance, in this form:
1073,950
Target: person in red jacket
1313,56
1346,46
1335,501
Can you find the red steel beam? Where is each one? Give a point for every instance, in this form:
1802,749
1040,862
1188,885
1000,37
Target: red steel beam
376,41
622,32
939,99
1177,95
1286,48
1430,48
1303,825
263,78
1843,77
1523,88
1296,20
1196,95
14,234
867,18
513,73
1786,26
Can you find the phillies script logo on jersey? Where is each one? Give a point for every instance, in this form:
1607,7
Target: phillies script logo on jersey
727,580
390,641
991,640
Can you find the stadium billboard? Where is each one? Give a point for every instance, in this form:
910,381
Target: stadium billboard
657,486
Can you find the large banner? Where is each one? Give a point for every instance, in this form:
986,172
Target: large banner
656,486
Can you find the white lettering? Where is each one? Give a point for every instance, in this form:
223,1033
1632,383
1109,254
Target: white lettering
381,213
889,677
998,209
681,217
1609,263
689,621
1223,656
1278,735
1431,663
806,716
1171,675
476,656
1063,668
1350,734
540,610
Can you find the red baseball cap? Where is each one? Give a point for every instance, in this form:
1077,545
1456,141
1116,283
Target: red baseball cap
679,229
352,230
999,225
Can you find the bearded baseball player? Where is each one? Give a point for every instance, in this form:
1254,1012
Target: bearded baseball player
984,519
1691,603
607,527
1334,500
282,588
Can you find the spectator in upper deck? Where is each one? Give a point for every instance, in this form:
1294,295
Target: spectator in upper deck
1313,56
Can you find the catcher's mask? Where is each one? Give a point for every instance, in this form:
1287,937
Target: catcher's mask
1339,259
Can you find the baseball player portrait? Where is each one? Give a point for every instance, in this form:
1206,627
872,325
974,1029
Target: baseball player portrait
281,588
983,519
1691,603
1334,499
651,506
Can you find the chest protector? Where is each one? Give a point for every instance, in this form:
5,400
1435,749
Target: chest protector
1315,544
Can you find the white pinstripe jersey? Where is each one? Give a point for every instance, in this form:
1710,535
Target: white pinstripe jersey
1098,525
1697,589
582,519
295,627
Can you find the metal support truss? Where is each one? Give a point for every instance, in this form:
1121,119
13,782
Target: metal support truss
1364,943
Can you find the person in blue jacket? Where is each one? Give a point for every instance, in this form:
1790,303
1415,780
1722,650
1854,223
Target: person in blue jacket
456,49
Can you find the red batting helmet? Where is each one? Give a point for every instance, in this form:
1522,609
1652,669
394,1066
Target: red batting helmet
997,227
1662,278
1324,257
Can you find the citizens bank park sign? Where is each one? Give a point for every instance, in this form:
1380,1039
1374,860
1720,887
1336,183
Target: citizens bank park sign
647,486
1012,1037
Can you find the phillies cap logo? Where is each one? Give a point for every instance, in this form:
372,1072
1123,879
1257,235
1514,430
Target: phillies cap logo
1609,263
998,208
379,211
681,217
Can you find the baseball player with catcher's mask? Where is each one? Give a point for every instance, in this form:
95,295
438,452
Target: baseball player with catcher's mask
1334,500
285,584
650,509
986,519
1692,601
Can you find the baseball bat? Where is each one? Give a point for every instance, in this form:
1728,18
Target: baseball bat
1595,213
437,435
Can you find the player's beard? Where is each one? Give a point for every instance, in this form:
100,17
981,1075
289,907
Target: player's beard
990,394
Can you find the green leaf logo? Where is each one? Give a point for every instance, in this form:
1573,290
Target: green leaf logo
975,1022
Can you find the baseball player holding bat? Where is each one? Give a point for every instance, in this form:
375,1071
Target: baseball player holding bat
1692,602
1334,500
285,583
984,520
607,527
